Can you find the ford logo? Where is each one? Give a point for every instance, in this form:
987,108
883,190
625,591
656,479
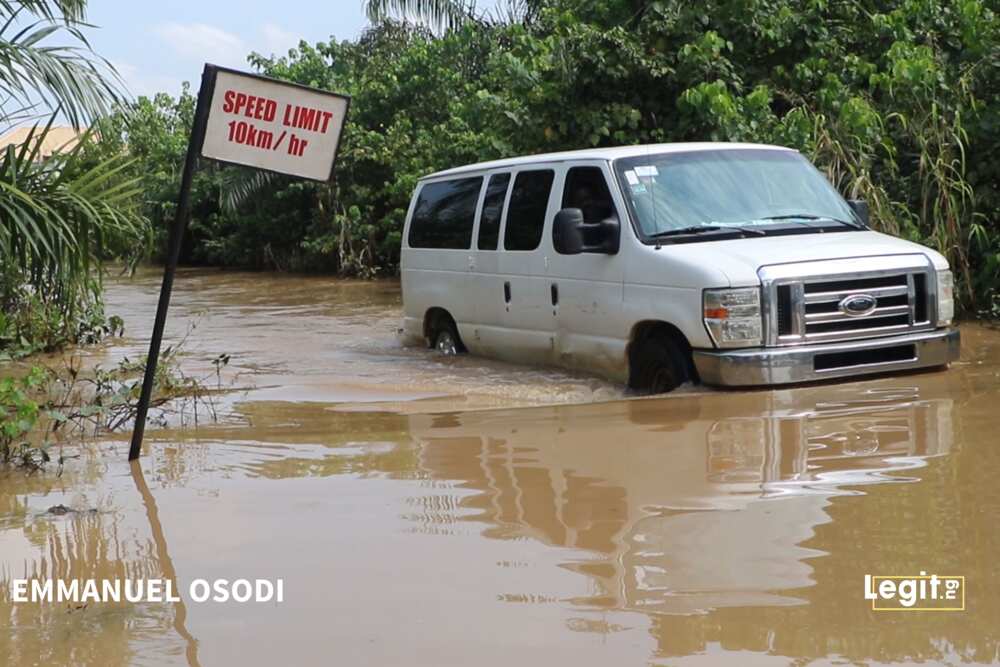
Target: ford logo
857,305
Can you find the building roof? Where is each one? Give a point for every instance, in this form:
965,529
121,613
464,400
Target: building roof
605,154
58,139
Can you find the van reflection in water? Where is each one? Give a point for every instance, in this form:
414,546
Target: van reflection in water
686,532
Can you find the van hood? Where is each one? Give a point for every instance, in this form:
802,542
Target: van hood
739,259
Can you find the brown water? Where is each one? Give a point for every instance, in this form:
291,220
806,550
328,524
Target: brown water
566,524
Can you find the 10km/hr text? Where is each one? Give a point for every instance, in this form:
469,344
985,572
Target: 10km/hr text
294,117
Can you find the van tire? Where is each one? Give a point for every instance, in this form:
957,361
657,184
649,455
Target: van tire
658,366
444,336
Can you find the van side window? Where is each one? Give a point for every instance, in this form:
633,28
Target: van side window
444,214
587,190
489,219
526,212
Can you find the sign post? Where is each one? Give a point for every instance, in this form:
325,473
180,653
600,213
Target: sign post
254,121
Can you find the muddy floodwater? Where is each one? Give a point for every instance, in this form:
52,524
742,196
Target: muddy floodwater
453,511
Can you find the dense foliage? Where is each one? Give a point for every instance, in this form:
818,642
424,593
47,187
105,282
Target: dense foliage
897,101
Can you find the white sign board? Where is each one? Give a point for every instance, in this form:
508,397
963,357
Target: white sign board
273,125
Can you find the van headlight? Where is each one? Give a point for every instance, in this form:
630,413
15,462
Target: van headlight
945,298
733,316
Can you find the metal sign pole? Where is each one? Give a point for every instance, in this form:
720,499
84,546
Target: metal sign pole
173,254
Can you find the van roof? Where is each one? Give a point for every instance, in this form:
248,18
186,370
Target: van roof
604,154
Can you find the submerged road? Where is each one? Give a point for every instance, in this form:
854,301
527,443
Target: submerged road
438,511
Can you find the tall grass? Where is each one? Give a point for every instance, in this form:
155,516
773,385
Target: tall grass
937,204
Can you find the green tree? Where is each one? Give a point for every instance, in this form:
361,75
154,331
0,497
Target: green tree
896,101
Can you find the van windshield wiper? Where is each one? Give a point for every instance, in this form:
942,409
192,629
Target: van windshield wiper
693,229
811,216
698,229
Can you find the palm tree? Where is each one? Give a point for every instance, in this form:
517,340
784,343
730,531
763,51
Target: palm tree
61,215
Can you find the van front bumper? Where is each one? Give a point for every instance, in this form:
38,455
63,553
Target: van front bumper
810,363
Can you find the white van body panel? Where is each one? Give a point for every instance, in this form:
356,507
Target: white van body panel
740,259
601,154
590,293
581,311
526,322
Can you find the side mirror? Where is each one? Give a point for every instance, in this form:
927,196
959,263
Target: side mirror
610,231
571,235
860,208
567,231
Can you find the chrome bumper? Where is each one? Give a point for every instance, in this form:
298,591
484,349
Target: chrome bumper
809,363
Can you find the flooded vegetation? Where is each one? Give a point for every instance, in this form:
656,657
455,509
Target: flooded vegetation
445,511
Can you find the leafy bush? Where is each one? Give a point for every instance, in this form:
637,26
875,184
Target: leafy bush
19,414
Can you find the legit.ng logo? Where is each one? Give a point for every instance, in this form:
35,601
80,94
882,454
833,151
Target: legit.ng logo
916,592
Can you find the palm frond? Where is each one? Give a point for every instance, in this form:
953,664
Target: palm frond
510,12
71,77
60,215
240,185
438,14
52,10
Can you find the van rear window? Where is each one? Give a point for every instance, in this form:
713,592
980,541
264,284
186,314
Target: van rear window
526,212
444,214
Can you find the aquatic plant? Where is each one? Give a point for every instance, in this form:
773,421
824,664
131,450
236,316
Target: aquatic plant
19,415
48,403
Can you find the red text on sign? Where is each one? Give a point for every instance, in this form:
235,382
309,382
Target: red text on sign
250,106
262,108
307,118
297,145
247,134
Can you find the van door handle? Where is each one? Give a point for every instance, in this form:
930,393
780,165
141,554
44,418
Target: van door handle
506,292
554,291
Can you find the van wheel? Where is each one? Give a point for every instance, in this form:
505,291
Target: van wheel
658,366
444,337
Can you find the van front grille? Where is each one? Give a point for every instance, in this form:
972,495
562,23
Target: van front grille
823,307
784,306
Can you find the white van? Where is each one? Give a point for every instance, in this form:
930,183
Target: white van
732,264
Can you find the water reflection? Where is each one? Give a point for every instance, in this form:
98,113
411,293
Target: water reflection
740,522
87,537
843,442
78,546
165,561
740,530
745,524
677,508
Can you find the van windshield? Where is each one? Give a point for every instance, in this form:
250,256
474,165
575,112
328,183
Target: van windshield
752,190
